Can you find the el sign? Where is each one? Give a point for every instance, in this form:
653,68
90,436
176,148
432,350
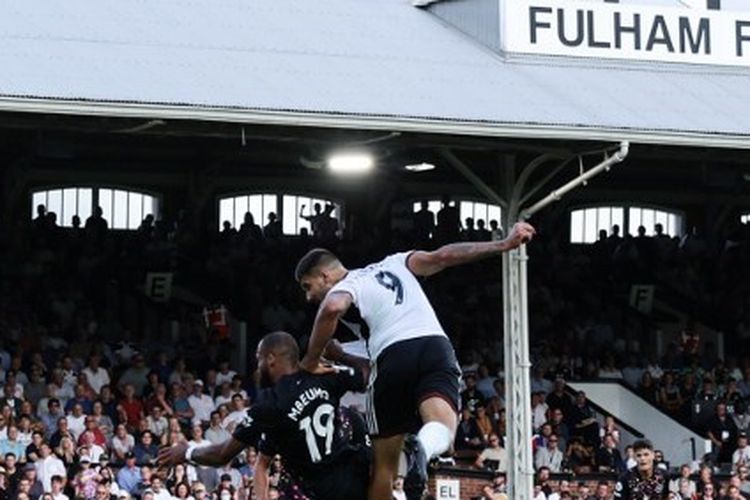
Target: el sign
632,32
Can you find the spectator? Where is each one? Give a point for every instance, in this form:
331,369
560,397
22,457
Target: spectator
86,480
50,418
79,398
494,456
423,224
579,457
57,484
216,433
157,424
9,399
35,486
11,444
129,477
92,428
741,456
130,408
608,457
237,413
66,452
76,421
398,489
584,422
549,456
496,490
682,484
48,466
602,491
160,492
201,404
32,449
558,399
146,450
95,374
468,435
273,229
100,422
722,432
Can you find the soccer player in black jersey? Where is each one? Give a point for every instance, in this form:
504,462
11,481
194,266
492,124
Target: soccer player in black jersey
645,481
326,450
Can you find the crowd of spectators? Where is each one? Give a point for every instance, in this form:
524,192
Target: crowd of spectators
72,312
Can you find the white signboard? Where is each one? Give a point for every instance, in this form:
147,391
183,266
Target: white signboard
631,32
448,489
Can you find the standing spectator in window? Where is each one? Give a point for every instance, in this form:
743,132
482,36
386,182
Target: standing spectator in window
497,232
494,456
482,233
96,228
249,230
448,222
315,219
424,224
273,229
469,233
549,456
722,432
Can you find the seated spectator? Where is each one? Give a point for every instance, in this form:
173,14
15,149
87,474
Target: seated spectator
130,408
741,456
648,389
66,451
146,450
579,457
610,427
122,444
670,395
51,416
225,395
95,432
584,422
94,450
484,422
10,400
177,476
129,477
682,484
216,433
135,376
86,480
79,398
57,485
549,456
48,466
76,421
559,427
160,492
497,489
35,488
237,413
102,423
558,399
602,491
471,397
468,435
180,405
11,444
32,450
202,404
538,410
398,489
157,424
608,458
494,456
563,491
722,432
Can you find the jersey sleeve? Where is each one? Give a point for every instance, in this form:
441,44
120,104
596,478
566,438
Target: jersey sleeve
259,419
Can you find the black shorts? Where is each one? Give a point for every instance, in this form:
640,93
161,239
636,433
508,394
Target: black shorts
405,374
346,479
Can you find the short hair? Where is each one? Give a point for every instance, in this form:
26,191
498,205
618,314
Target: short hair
313,259
57,479
281,344
643,444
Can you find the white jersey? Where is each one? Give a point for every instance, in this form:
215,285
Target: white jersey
390,302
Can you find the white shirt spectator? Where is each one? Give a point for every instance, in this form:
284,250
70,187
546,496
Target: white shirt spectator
24,437
95,452
76,425
546,457
48,467
539,415
59,496
222,400
234,418
123,446
157,425
202,407
741,456
217,435
225,377
96,378
163,494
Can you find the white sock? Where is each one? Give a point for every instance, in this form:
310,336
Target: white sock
436,439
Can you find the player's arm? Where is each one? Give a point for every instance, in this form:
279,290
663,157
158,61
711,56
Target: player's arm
331,309
334,352
212,456
260,478
428,263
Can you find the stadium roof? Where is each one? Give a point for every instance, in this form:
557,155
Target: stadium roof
371,64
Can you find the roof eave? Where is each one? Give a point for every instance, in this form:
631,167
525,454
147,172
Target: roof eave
299,118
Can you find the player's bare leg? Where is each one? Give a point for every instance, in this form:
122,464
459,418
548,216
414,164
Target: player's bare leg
386,455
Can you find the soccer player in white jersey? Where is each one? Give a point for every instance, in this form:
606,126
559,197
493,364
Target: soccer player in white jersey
414,376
